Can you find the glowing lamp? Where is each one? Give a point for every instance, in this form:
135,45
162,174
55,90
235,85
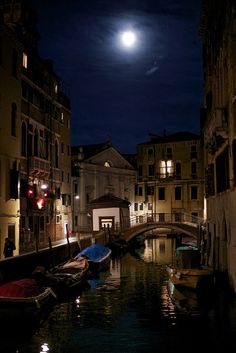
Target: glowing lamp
40,203
30,193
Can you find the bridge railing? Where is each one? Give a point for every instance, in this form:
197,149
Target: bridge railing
166,218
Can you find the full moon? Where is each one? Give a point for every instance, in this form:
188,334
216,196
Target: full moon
128,38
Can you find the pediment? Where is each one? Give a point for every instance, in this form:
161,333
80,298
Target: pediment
111,156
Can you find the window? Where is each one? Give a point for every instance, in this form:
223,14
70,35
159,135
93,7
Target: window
56,155
162,169
14,178
136,206
178,217
193,169
58,192
166,169
141,207
178,170
23,139
151,170
11,232
194,192
14,63
76,221
169,154
25,60
75,188
140,191
36,143
149,206
193,153
161,193
210,182
178,193
140,170
107,164
13,119
194,217
161,217
150,190
41,144
150,154
222,171
64,199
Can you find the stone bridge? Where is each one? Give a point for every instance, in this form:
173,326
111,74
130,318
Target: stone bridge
184,223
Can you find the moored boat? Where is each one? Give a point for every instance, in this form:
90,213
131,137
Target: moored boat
187,271
189,277
24,300
65,276
98,257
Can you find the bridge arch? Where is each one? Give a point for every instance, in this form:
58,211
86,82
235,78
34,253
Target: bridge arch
191,230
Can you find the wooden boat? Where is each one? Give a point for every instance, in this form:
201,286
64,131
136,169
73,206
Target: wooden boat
184,300
187,271
24,300
98,257
65,276
189,277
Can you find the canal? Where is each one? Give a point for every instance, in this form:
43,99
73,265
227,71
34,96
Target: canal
129,310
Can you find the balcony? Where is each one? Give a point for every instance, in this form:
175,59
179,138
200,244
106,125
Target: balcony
39,167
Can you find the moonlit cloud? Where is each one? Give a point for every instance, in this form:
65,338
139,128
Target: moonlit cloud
152,70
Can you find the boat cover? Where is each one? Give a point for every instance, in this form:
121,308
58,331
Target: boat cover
23,288
94,252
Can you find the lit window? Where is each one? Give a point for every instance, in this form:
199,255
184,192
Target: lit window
25,60
55,88
170,167
107,164
166,169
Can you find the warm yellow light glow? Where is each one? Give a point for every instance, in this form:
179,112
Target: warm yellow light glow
25,60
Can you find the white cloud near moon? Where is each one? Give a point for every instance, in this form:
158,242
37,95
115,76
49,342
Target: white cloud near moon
152,70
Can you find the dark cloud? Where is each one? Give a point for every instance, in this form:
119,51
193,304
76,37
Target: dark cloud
119,92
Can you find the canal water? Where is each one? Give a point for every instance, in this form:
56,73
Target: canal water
128,309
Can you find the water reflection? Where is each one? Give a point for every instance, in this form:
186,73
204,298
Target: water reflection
158,250
128,309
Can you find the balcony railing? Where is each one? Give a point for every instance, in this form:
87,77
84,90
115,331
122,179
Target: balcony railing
39,166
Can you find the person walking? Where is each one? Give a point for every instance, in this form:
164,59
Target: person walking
9,247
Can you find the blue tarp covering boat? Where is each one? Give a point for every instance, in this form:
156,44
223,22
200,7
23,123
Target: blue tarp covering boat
98,256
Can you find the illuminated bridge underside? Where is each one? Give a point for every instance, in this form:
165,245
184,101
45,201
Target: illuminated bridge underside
186,228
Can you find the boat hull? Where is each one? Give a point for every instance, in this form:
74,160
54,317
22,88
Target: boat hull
15,309
98,256
189,278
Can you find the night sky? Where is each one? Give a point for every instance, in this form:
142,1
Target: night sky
118,92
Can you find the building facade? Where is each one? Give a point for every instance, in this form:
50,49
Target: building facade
39,113
218,34
98,170
10,116
170,177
